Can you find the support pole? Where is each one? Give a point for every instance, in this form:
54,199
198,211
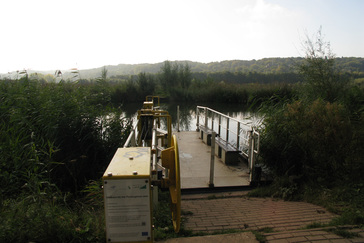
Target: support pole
227,129
250,137
178,118
212,121
238,136
133,140
155,197
212,161
197,120
252,154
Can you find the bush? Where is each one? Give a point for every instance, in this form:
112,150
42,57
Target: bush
309,141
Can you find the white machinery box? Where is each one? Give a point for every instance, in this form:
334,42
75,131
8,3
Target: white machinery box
127,196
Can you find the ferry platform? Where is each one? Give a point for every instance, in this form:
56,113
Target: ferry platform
195,161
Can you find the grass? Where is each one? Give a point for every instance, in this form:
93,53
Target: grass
315,225
343,233
212,197
163,226
334,227
25,220
262,191
259,234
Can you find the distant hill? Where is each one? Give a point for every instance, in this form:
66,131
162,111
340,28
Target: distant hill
265,65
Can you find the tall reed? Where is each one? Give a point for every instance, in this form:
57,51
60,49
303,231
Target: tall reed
62,134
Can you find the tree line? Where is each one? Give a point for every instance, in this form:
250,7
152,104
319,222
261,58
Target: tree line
352,65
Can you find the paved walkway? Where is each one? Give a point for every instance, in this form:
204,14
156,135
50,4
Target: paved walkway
246,213
229,212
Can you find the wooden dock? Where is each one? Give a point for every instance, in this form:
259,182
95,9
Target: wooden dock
195,157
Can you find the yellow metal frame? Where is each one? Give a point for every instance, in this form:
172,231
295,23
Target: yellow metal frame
157,114
151,98
170,160
169,157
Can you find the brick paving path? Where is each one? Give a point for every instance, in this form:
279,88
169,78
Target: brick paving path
312,235
237,212
251,214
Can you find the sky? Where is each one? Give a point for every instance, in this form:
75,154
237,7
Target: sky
83,34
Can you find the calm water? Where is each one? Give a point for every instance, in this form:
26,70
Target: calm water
188,113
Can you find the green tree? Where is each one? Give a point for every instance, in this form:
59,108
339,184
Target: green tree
165,76
185,76
103,77
175,80
145,84
174,77
315,139
318,70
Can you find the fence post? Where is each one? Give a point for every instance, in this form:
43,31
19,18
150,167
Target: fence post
197,120
212,161
219,125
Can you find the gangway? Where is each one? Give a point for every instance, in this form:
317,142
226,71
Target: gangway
235,150
221,154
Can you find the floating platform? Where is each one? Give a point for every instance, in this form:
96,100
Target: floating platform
195,157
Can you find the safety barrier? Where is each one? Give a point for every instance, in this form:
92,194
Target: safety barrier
233,137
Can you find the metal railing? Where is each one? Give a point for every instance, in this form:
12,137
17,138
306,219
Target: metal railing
131,140
238,134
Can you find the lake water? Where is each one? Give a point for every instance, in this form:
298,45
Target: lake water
188,113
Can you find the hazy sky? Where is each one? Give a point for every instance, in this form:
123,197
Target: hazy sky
65,34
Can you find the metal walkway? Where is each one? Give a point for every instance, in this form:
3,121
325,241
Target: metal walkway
195,157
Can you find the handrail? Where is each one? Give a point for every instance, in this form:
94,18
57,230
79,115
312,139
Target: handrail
247,138
131,140
240,126
221,114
